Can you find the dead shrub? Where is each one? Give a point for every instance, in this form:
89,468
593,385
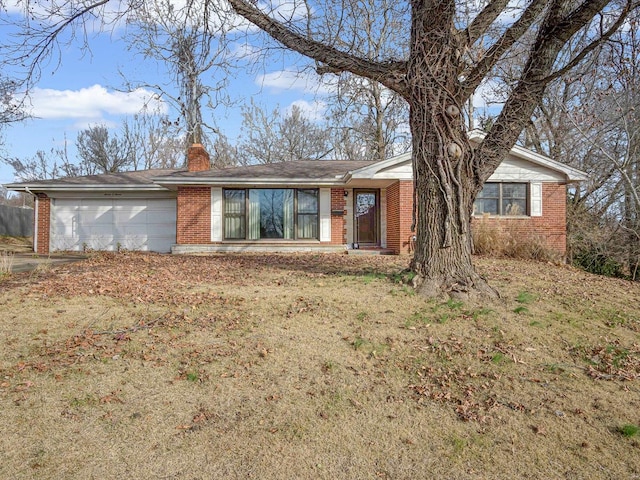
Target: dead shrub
497,240
6,263
487,238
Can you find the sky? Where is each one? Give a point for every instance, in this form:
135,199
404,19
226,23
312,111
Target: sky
86,88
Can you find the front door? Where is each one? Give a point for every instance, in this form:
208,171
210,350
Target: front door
366,217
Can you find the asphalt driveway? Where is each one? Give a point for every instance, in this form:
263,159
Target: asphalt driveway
26,262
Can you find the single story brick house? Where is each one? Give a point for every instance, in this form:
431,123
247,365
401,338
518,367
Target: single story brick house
295,206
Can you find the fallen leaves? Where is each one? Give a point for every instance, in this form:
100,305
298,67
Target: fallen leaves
154,278
610,361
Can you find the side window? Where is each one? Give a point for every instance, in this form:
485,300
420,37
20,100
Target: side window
508,199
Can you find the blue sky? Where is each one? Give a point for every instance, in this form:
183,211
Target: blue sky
86,89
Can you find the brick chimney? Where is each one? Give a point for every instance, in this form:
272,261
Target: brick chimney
197,158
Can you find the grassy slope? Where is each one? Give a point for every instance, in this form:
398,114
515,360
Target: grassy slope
265,366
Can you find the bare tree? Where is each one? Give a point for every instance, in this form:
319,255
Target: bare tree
224,154
100,153
272,138
189,41
590,120
371,120
143,142
259,142
437,77
301,138
10,107
154,141
45,165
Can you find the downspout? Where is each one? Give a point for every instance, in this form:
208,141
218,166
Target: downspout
35,219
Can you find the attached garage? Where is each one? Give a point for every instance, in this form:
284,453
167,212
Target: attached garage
113,223
115,211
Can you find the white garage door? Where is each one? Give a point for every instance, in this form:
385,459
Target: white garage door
112,223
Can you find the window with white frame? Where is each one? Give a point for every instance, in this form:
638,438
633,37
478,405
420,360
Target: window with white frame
270,213
507,199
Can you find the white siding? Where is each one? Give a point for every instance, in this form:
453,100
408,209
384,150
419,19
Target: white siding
325,214
516,170
403,171
216,214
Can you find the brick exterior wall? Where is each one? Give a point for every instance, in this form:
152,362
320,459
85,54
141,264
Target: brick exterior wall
193,223
338,222
399,216
43,227
551,227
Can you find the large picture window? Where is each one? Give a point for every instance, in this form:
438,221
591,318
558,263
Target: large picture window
270,213
509,199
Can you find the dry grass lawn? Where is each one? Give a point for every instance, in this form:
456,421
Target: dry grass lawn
314,366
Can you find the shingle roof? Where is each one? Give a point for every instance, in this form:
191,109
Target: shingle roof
311,170
302,169
139,177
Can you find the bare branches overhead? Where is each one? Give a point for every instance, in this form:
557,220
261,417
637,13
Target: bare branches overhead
390,73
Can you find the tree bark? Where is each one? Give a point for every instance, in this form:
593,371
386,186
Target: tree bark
444,180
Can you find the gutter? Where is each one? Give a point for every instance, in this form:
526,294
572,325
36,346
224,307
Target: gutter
83,188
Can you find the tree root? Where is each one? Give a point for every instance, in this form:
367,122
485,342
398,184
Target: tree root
473,287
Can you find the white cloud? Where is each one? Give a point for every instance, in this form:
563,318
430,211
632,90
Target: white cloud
314,111
92,103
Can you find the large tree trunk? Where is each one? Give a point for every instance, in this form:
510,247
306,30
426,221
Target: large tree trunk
445,181
445,188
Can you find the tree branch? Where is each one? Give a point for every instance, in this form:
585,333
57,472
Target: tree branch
391,74
42,47
502,45
552,36
484,19
593,45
